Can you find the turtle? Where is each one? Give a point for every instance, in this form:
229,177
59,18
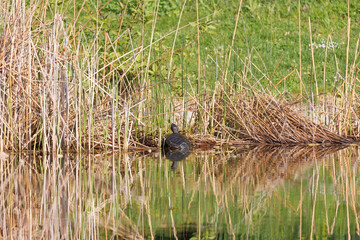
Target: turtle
176,141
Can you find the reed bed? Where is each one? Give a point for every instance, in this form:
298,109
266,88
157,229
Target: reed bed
57,92
68,85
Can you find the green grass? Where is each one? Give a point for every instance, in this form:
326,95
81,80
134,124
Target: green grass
267,34
269,28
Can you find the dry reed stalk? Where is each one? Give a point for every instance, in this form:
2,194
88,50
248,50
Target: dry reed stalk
228,58
324,109
198,48
300,69
313,59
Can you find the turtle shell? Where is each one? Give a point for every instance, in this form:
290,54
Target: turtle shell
176,141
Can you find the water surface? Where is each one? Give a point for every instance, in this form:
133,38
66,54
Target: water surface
244,193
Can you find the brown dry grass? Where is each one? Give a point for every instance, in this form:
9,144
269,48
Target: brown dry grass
261,118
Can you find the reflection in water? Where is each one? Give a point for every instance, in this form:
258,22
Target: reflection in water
252,192
175,156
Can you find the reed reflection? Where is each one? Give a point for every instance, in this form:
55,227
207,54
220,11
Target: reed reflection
264,191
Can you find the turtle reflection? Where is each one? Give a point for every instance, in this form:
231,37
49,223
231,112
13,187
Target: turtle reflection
175,156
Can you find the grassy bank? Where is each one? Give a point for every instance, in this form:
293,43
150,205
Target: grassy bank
107,75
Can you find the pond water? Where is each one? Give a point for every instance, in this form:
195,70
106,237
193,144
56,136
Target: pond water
243,193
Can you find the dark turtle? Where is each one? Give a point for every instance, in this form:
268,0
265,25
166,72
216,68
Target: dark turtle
176,141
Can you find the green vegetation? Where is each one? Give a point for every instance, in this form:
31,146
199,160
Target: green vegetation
109,74
267,36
